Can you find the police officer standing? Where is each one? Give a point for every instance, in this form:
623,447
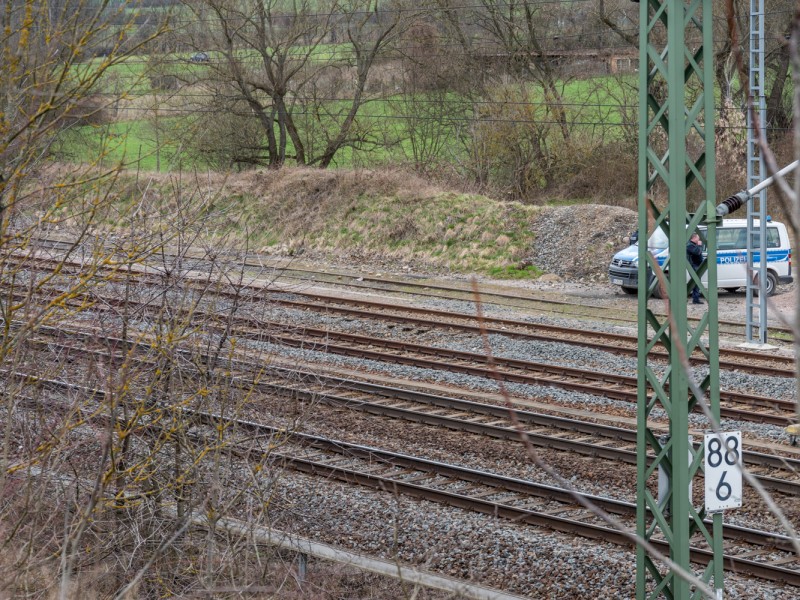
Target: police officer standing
694,256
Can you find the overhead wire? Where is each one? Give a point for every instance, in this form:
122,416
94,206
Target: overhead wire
390,100
417,117
197,20
396,9
418,9
345,54
478,49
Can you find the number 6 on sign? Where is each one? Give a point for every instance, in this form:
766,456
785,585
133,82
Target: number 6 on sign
723,470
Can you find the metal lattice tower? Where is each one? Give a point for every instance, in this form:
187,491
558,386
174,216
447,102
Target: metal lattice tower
676,158
756,302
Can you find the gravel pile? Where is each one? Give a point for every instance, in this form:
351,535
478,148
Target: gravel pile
577,242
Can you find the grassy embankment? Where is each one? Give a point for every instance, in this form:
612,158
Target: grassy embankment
381,214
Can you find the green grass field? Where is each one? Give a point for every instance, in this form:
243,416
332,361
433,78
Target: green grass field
133,144
396,125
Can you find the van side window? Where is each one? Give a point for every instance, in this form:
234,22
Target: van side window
731,238
773,238
735,238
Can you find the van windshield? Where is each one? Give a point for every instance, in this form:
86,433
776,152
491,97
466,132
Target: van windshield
658,241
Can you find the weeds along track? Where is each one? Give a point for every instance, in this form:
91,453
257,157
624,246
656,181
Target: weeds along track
752,552
737,405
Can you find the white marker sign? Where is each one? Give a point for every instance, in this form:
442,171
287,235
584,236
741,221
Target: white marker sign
723,470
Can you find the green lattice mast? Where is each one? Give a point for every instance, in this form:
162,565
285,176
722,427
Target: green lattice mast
676,163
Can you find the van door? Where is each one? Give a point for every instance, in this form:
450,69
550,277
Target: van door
777,258
731,256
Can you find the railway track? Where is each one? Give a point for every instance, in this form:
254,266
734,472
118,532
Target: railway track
516,500
740,406
545,430
616,343
778,473
519,300
588,381
762,554
424,288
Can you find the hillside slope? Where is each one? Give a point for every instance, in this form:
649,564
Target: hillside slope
386,218
394,218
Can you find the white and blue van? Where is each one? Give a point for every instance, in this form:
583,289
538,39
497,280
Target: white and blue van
731,257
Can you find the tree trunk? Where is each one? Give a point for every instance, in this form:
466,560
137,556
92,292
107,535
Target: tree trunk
776,115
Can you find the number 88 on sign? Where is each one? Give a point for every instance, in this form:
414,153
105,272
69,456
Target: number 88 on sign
723,470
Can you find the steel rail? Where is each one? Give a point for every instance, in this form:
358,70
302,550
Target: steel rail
557,371
737,359
380,396
523,296
502,327
509,433
382,282
554,522
619,387
479,500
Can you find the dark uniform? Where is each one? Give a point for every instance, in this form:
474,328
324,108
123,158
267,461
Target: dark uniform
694,256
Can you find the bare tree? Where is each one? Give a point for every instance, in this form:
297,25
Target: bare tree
48,80
370,32
305,90
96,444
521,128
519,32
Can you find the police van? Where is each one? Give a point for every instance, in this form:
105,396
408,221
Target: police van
731,257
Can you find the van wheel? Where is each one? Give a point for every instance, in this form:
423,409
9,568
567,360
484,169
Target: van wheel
732,290
657,289
629,290
772,283
657,292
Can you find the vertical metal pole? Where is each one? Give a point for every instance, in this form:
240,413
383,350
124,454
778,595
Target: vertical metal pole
710,385
302,569
642,443
756,300
675,114
678,383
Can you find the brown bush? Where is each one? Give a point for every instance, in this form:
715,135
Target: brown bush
606,174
